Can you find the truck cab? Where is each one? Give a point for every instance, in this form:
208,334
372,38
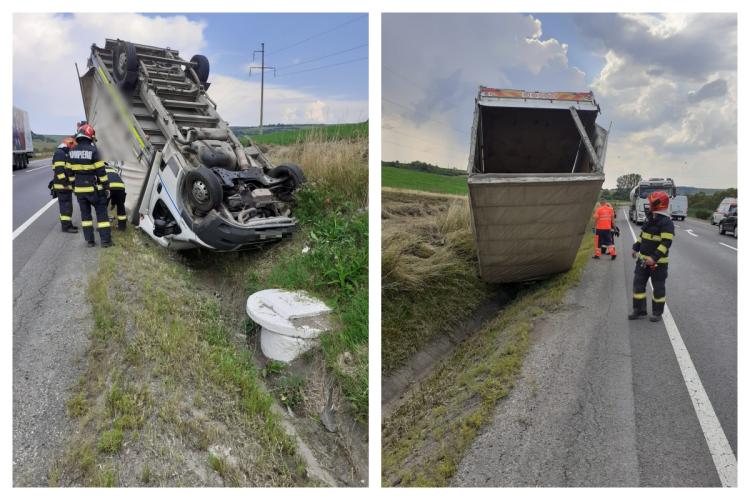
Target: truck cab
639,196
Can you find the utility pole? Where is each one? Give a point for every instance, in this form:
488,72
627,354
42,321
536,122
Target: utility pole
262,69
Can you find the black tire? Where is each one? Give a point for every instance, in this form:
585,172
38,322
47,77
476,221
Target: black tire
735,232
202,190
125,65
202,69
293,180
721,229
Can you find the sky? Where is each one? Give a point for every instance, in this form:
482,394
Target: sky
320,59
666,82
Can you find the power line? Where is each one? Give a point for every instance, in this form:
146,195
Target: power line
323,67
318,34
323,57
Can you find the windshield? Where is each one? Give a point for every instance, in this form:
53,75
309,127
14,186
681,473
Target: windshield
643,192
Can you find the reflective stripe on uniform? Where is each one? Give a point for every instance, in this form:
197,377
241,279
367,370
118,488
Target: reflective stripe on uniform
667,236
61,176
99,164
117,185
87,223
84,189
651,237
639,295
660,299
65,217
103,178
661,248
60,186
58,164
663,260
122,217
102,224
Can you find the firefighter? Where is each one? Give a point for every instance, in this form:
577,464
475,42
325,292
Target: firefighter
62,186
604,217
652,251
117,195
90,184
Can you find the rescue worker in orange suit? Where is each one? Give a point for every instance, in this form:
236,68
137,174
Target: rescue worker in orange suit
604,218
117,195
62,186
652,251
90,184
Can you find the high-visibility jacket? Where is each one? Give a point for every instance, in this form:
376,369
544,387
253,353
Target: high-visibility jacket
115,181
655,239
59,160
86,168
604,216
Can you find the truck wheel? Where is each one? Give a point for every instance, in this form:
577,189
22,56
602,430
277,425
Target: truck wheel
721,229
202,190
294,178
202,69
125,65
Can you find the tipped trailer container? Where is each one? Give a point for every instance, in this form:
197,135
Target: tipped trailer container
536,168
189,181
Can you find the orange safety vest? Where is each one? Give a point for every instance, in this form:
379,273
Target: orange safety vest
604,216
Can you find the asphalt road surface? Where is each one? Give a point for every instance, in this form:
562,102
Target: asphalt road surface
603,401
51,321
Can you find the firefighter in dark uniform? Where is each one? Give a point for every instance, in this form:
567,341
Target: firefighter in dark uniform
90,184
652,251
62,186
117,195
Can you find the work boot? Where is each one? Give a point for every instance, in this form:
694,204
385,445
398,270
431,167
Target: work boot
91,244
70,229
655,318
614,256
107,244
636,314
596,256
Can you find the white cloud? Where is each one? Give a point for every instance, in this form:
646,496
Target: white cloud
238,103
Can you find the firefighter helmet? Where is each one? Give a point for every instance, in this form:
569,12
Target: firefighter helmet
87,131
658,200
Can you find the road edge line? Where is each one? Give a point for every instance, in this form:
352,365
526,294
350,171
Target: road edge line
728,246
721,453
31,219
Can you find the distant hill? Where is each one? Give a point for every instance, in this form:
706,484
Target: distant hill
425,167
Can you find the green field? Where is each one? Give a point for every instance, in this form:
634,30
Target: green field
323,133
423,181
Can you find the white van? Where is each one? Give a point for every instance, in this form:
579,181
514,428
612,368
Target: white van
723,210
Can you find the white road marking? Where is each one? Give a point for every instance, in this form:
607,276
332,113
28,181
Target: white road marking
718,445
691,233
34,169
34,217
728,246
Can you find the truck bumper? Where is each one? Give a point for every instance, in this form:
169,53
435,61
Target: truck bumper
221,235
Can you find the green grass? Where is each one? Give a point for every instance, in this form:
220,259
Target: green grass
324,133
334,269
163,372
425,438
423,181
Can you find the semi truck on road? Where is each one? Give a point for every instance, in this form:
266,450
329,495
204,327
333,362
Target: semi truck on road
190,181
23,147
639,197
536,167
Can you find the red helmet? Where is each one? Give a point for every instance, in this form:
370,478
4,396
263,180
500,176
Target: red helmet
658,200
86,130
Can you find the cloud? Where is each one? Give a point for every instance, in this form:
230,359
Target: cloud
238,103
715,88
46,46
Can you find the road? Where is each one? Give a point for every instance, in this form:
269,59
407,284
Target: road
603,401
51,321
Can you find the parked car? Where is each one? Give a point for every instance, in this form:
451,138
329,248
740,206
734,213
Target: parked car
729,223
723,210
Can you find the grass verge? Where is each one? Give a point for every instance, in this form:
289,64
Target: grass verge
423,181
164,386
324,133
428,255
425,438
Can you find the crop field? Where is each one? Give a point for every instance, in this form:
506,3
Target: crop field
341,132
423,181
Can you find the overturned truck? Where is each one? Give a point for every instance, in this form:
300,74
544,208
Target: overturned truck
535,171
189,181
